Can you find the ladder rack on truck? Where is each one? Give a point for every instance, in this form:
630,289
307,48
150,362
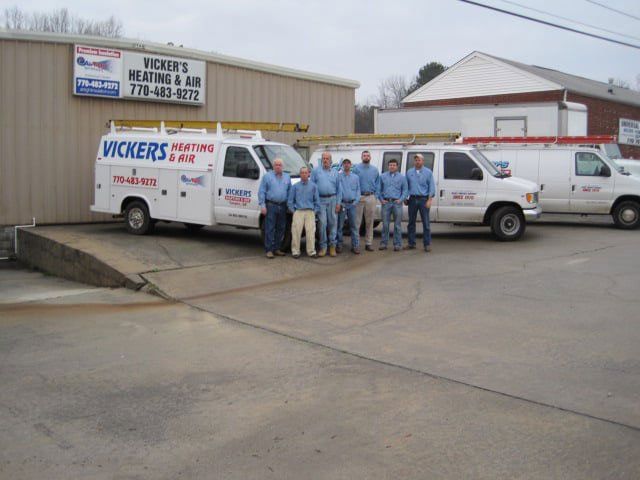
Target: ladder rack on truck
239,126
375,138
548,140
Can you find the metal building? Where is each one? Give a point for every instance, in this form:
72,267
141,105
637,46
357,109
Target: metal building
49,135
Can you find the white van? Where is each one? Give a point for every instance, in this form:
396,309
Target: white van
185,175
470,189
572,179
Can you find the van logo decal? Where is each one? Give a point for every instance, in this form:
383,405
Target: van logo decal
193,181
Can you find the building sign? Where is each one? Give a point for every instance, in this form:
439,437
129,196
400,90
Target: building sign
103,72
629,132
97,72
168,79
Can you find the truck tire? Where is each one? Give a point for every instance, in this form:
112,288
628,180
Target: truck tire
137,219
626,215
507,224
193,227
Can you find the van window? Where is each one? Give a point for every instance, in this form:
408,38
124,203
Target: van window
589,164
238,159
391,155
458,166
428,159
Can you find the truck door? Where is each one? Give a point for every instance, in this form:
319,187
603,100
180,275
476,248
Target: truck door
555,180
237,188
461,190
430,163
592,184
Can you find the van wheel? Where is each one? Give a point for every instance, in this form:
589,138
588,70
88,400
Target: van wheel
137,219
193,227
507,224
626,215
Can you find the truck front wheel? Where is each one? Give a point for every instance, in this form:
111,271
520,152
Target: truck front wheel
137,219
507,224
626,215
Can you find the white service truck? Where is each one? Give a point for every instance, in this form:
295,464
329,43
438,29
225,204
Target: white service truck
470,189
185,175
573,178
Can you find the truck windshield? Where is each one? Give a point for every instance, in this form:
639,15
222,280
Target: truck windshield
612,150
487,164
292,160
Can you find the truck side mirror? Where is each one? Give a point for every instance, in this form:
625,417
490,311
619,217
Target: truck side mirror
605,171
476,174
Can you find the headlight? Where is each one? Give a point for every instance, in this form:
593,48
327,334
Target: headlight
532,197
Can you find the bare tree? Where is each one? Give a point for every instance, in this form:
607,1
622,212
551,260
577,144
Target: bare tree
60,21
391,91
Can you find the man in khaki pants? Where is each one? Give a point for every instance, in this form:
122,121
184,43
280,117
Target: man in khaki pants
369,188
304,202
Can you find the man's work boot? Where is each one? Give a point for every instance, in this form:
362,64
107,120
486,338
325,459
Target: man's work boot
322,252
279,253
427,248
332,251
368,248
270,255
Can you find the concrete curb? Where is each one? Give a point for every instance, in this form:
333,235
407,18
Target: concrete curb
57,258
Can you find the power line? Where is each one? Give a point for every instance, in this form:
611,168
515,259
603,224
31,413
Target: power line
569,19
544,22
613,9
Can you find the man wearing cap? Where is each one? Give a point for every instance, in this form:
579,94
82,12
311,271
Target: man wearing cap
304,202
393,191
369,188
349,198
272,198
422,189
326,178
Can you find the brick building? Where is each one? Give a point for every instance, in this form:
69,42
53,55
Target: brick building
484,80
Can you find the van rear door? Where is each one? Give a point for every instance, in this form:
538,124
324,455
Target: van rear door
555,180
592,184
461,197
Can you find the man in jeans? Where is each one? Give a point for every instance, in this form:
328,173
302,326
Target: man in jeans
326,178
349,198
272,198
422,189
369,188
393,191
304,202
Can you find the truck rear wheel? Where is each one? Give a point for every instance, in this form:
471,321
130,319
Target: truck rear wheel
137,219
507,224
626,215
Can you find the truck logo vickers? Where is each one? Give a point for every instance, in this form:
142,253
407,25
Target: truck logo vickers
236,196
135,150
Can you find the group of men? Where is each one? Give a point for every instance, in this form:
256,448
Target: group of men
347,195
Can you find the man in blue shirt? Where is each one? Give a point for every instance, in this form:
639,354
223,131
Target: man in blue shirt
326,178
393,191
350,196
369,188
304,202
422,189
272,198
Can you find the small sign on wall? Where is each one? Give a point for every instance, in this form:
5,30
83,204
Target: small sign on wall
110,73
97,72
629,132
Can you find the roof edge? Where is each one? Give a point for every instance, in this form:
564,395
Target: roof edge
161,49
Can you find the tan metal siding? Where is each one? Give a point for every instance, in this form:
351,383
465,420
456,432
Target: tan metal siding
49,137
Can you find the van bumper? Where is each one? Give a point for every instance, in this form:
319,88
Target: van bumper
532,213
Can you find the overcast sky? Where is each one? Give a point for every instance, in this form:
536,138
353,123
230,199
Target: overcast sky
370,40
